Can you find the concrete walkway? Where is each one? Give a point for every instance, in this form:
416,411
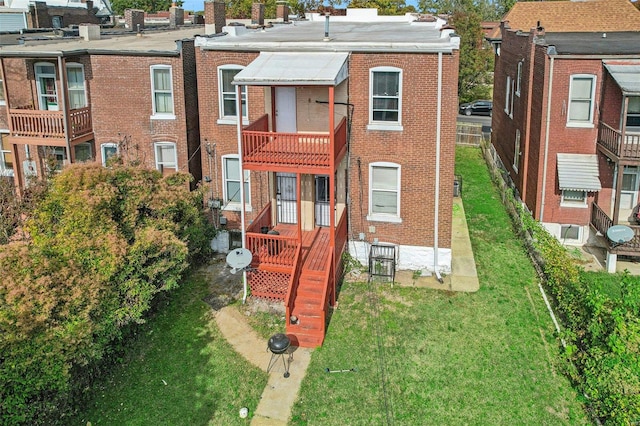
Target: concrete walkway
280,393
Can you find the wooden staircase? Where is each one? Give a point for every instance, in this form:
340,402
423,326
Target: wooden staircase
310,302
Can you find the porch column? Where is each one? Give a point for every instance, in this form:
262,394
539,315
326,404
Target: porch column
332,190
616,204
299,205
273,109
62,65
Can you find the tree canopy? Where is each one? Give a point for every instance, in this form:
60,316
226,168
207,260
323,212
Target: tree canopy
98,248
150,6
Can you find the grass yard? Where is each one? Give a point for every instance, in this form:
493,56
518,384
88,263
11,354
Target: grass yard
434,357
206,381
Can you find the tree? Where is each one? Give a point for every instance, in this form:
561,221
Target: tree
385,7
100,246
150,6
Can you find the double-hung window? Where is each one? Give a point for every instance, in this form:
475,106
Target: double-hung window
2,101
162,92
581,99
231,188
76,86
516,151
228,95
385,103
384,192
573,198
519,79
166,157
508,96
6,156
633,112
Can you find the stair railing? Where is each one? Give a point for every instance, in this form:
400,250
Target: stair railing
293,285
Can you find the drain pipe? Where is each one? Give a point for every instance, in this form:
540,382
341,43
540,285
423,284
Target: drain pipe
546,140
437,184
242,205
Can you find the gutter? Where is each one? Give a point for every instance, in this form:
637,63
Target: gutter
242,196
546,139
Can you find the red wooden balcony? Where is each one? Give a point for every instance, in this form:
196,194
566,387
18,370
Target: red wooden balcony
265,150
42,127
625,146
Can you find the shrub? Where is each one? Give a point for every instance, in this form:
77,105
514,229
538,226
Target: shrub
101,245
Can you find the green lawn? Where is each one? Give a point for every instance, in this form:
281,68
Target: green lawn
434,357
423,356
206,381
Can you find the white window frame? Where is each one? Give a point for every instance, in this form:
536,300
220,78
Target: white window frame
235,205
161,165
632,113
507,97
2,99
572,202
41,96
516,151
385,125
162,115
4,169
72,65
385,217
58,152
591,100
231,119
519,79
103,148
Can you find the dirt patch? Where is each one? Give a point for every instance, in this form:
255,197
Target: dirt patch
224,287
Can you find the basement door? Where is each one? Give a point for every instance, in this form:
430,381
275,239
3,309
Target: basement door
286,110
286,197
322,200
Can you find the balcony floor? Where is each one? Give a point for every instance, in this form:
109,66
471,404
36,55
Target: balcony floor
315,246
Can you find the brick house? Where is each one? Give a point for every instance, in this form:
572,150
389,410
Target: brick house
341,128
17,15
85,99
562,104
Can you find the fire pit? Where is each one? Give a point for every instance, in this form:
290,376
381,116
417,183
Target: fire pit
278,344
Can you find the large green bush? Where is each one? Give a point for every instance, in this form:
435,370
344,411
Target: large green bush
603,330
99,247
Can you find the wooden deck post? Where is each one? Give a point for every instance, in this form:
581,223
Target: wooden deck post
332,190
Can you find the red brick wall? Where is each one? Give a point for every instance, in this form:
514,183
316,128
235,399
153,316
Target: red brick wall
414,149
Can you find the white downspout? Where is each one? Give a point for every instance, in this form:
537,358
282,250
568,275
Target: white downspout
437,184
546,140
242,205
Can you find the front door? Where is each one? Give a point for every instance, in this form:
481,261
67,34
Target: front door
629,189
46,86
286,110
286,197
322,200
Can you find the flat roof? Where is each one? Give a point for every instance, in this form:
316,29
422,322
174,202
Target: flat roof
595,43
343,37
161,42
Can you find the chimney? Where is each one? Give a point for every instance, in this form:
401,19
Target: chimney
134,19
214,17
176,16
257,14
282,11
89,31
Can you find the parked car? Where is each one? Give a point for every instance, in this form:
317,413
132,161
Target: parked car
476,108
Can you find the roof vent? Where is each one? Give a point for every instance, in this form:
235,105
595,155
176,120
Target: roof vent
326,26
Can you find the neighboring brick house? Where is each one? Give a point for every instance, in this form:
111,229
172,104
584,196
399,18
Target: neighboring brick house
346,134
560,106
67,101
16,15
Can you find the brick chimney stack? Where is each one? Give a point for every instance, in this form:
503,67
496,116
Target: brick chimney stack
214,17
257,14
282,11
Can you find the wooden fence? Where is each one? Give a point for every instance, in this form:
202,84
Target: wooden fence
469,134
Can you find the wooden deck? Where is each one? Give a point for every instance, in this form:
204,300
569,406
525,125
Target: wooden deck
315,246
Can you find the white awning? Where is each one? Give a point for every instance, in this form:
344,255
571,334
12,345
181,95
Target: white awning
295,69
627,77
578,172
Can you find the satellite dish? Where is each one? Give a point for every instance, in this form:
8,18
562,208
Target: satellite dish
239,259
620,234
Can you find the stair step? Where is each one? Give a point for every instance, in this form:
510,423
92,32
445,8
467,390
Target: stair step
307,324
314,305
310,290
309,340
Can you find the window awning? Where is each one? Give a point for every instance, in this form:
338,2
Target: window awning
627,77
578,172
295,69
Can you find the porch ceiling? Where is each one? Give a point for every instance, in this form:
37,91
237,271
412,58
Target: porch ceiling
578,172
295,69
626,76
